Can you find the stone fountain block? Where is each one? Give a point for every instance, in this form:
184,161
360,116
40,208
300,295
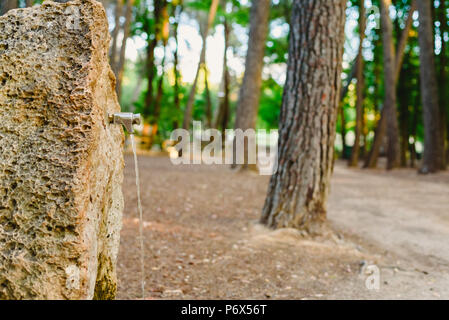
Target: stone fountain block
61,162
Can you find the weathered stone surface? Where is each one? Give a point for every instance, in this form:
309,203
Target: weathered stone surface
60,161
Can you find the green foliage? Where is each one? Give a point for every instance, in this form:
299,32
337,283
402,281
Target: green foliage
270,104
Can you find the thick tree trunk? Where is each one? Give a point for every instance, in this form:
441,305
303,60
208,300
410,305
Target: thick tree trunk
353,162
371,160
126,32
29,3
393,148
433,151
189,107
298,191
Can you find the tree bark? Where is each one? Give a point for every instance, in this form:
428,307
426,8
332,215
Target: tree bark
433,150
353,162
298,191
29,3
189,107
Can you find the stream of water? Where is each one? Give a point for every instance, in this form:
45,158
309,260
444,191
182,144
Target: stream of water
139,208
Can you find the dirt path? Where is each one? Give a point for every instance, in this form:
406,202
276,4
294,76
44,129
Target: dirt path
202,239
403,213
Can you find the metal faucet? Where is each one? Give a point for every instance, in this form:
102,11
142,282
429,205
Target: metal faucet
127,119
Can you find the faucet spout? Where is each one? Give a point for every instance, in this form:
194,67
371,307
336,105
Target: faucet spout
127,119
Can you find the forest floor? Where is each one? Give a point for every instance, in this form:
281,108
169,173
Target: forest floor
202,240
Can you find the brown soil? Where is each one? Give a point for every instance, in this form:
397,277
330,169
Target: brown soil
202,240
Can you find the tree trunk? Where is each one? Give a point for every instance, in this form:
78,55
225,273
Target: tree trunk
177,14
152,43
443,82
126,31
371,160
208,98
393,148
341,111
414,126
115,32
249,95
189,107
248,103
353,162
432,156
7,5
224,108
29,3
298,191
404,114
404,39
150,75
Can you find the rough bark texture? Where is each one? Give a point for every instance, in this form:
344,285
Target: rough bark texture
60,161
298,191
359,90
433,150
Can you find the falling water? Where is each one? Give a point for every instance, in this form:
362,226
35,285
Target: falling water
139,207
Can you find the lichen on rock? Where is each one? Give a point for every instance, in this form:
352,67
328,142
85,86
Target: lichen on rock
61,162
